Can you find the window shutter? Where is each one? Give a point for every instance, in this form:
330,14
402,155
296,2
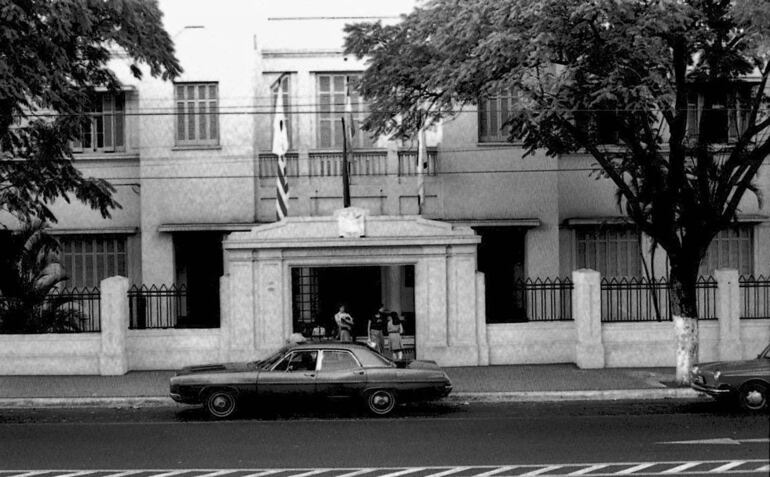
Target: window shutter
120,124
108,116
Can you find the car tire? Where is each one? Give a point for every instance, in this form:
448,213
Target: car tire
380,402
221,403
753,396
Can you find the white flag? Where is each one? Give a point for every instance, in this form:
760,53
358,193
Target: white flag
280,135
422,168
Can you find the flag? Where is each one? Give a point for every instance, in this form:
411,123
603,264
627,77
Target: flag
350,123
280,147
422,169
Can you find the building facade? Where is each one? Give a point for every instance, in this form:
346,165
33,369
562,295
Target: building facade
191,164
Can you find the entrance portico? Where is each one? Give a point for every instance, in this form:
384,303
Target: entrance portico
448,291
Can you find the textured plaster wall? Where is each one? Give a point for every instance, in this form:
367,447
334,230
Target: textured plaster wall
50,354
171,349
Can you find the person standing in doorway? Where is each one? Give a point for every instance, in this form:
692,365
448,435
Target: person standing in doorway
376,328
395,329
344,324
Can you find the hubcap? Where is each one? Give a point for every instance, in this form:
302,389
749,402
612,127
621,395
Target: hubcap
754,398
221,403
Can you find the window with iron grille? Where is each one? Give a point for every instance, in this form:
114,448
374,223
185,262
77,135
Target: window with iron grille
197,118
731,248
89,259
613,251
105,129
283,88
331,102
494,111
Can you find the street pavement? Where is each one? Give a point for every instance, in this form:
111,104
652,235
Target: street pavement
445,439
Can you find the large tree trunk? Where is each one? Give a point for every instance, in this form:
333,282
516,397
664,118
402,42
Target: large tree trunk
685,316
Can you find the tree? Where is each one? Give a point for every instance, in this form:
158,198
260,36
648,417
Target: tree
573,63
52,57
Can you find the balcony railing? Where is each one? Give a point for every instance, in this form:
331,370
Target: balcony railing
268,165
362,163
407,162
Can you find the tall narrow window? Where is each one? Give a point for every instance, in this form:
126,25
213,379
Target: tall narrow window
611,250
105,129
331,101
724,120
197,110
494,111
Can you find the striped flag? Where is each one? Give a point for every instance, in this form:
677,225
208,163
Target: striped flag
422,169
280,146
350,123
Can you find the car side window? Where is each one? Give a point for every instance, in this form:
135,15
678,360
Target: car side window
338,360
302,361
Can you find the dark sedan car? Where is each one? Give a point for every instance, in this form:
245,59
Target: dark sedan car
306,370
748,381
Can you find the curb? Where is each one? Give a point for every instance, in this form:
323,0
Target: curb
484,397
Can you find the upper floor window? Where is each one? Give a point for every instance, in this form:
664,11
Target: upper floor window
89,259
494,111
332,92
105,130
724,120
197,118
613,251
601,126
731,248
283,89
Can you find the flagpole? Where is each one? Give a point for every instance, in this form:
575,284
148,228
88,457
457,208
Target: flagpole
345,178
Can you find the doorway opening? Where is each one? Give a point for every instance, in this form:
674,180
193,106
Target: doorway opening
317,293
199,264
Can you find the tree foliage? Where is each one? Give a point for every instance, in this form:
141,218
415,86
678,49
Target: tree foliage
53,54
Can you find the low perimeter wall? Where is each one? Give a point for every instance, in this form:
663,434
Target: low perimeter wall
531,343
171,349
50,354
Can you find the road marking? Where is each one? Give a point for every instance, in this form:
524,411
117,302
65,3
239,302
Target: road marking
761,439
309,473
543,470
764,468
720,441
681,468
446,472
264,472
635,468
403,472
357,472
215,474
728,466
170,474
494,471
588,469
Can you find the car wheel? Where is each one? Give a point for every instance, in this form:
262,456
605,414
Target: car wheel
221,403
753,396
381,401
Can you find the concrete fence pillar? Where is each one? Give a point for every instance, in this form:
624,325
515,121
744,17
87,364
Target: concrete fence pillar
729,314
481,320
114,322
587,313
224,318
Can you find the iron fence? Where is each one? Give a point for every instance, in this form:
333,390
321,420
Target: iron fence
639,299
73,310
157,307
544,300
755,295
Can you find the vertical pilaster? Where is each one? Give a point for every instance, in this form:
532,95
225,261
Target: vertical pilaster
114,323
587,313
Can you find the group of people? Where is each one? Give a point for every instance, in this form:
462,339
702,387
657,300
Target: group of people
383,323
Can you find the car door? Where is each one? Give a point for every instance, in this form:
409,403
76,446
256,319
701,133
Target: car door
294,375
340,374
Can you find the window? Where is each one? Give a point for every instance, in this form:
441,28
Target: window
601,126
89,259
338,361
494,111
724,121
731,248
298,361
284,90
611,250
197,118
105,130
331,100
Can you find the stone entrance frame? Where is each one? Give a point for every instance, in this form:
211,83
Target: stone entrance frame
256,291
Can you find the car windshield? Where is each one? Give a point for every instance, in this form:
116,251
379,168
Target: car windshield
268,362
765,353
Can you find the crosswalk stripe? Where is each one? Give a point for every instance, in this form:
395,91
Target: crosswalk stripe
635,468
169,474
543,470
764,468
495,471
588,469
33,473
263,473
403,472
727,466
309,473
680,468
217,473
444,473
356,472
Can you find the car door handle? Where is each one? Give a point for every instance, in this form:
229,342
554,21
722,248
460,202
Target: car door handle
361,372
310,375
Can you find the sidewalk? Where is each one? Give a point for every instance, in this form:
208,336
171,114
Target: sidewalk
514,383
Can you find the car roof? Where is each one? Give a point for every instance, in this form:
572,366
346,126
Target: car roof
327,344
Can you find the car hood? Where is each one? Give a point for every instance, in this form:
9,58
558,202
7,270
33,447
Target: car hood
735,366
215,368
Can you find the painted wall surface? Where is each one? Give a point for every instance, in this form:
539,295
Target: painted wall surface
531,343
171,349
50,354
